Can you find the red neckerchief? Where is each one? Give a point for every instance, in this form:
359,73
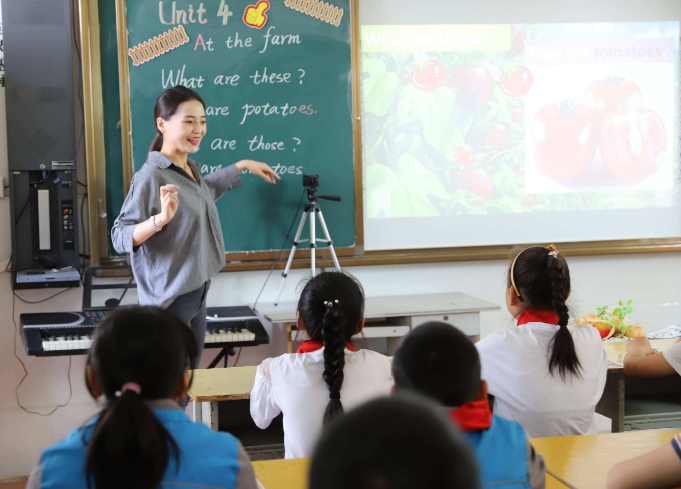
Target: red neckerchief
472,416
311,345
532,316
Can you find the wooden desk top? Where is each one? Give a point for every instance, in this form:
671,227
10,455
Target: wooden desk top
222,384
584,461
292,474
616,350
392,306
282,474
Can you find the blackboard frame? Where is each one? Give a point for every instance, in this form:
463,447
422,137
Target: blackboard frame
351,256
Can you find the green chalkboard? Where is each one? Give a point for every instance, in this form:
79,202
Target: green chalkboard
303,109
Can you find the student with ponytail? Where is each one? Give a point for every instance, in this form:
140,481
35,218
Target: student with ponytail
545,373
142,439
327,375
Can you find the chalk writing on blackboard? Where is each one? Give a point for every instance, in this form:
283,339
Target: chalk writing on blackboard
159,45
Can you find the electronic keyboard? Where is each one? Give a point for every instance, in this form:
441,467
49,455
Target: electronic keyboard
70,333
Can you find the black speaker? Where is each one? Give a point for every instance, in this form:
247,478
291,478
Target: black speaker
39,84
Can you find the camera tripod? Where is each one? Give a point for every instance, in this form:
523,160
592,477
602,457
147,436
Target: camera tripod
312,208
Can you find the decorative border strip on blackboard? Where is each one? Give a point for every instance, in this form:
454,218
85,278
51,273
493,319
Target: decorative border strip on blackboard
317,9
159,45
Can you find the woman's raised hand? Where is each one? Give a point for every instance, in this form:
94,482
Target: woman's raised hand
169,203
262,170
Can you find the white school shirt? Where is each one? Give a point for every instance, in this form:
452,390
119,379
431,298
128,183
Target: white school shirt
298,390
515,366
673,356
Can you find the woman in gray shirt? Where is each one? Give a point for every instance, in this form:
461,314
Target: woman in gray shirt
169,223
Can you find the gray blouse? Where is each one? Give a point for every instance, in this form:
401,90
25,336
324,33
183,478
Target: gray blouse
190,249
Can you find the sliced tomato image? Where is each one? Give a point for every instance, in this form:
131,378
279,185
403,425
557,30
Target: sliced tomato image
474,86
476,180
614,93
516,82
633,144
565,140
464,156
429,76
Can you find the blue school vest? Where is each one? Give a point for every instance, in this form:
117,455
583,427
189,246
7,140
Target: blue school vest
207,458
501,452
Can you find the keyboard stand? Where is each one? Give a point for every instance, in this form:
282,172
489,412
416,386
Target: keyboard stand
224,353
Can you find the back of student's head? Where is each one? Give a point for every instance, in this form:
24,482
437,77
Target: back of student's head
393,443
331,307
542,282
140,347
438,361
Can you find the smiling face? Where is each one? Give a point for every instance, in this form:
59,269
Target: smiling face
183,131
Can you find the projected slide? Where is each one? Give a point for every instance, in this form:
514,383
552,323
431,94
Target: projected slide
501,120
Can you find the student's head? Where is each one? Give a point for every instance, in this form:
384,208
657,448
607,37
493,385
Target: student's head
331,311
539,279
180,118
440,362
145,349
393,443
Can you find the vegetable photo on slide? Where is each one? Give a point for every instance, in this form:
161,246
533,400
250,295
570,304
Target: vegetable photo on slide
465,132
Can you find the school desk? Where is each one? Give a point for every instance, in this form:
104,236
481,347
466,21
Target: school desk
292,474
584,461
392,317
611,404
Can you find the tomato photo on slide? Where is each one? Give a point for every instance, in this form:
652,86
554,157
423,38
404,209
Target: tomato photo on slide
429,76
475,180
464,156
565,140
474,86
613,93
516,82
633,144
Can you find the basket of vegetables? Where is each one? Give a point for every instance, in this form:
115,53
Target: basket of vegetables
615,323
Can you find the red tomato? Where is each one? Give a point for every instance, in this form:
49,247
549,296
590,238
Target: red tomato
614,93
517,41
516,114
474,85
464,156
520,171
633,143
477,181
516,82
428,76
565,140
499,136
531,201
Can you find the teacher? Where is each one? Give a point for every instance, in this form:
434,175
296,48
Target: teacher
169,223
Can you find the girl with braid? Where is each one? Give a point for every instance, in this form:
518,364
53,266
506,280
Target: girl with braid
545,373
327,375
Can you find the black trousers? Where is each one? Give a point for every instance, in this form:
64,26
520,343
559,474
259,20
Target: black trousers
191,308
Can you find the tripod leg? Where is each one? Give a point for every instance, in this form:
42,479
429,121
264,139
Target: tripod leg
328,238
293,252
313,241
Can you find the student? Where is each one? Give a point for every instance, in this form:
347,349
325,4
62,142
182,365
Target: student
326,375
141,438
393,443
544,373
642,361
440,362
659,469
